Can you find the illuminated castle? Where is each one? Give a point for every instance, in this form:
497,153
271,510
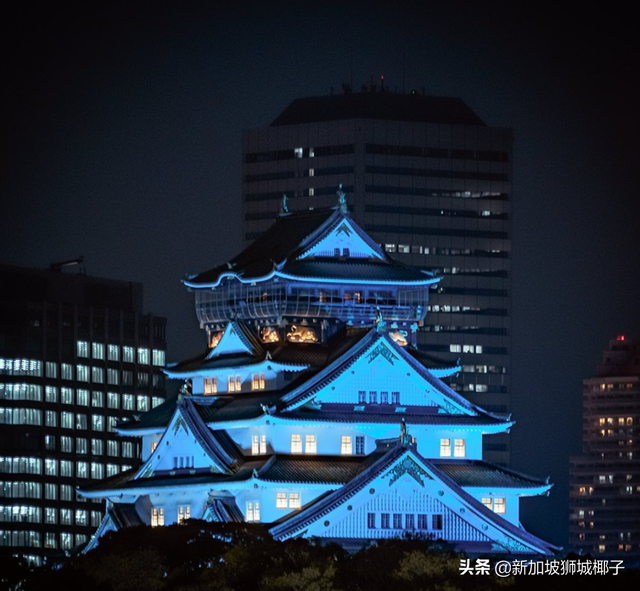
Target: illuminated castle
313,412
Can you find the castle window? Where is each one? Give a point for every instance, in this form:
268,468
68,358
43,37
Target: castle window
234,384
500,505
384,520
362,397
445,448
157,517
263,444
253,512
294,500
255,447
436,522
409,522
346,447
459,450
296,443
384,397
371,520
360,445
373,397
210,386
257,382
488,502
310,444
397,521
347,253
336,252
395,397
184,512
281,500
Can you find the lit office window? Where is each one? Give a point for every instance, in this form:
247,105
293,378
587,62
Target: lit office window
66,468
143,356
51,492
51,418
83,349
113,353
112,449
81,517
66,395
82,469
97,375
97,471
113,377
97,447
97,399
82,397
50,467
112,400
51,394
83,373
445,448
127,449
97,422
51,369
143,403
51,515
127,354
82,445
66,420
97,350
66,492
66,444
158,357
127,402
112,470
66,372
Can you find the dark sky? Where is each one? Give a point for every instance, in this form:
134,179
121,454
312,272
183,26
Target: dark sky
122,128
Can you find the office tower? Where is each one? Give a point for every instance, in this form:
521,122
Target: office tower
604,486
77,354
431,182
312,412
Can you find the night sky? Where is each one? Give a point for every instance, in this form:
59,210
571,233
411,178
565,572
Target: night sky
122,130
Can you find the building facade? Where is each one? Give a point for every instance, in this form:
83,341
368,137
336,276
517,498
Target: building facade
605,479
312,410
77,354
430,182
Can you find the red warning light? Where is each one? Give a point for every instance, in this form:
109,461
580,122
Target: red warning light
620,337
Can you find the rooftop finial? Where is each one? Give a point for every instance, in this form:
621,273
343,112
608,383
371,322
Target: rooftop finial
380,323
405,438
342,201
284,208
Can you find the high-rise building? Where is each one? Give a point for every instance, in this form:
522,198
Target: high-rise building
432,184
605,480
77,354
312,412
